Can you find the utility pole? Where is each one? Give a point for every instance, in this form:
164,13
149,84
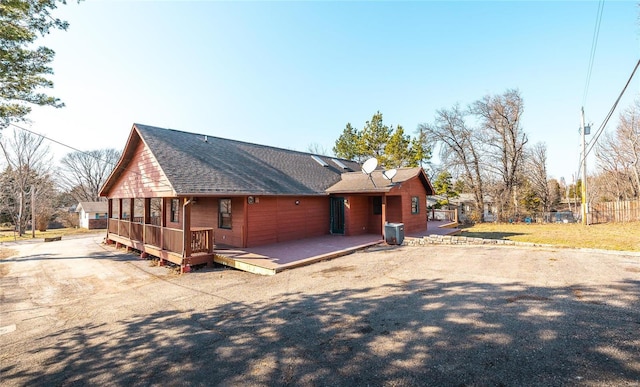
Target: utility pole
584,210
33,212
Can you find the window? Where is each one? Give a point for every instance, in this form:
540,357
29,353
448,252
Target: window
377,205
224,213
415,205
175,210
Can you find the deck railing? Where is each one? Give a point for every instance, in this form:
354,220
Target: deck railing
201,240
136,232
172,240
164,238
112,226
153,235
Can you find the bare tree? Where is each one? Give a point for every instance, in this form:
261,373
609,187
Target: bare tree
499,118
555,193
84,173
536,172
618,155
317,149
458,149
28,164
613,177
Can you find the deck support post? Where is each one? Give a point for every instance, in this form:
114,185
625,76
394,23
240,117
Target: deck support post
163,221
109,216
131,213
147,218
186,227
384,215
120,216
210,241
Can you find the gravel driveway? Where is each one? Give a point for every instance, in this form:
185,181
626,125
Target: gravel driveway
76,312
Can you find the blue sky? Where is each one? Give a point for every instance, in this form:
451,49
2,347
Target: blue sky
291,74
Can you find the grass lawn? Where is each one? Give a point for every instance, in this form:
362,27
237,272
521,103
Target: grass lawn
10,236
609,236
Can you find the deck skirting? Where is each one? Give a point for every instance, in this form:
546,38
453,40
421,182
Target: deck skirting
164,255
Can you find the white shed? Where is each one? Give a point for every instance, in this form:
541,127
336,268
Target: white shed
92,215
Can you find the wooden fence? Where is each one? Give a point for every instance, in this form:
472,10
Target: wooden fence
622,211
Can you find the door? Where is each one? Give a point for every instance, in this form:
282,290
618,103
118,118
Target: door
337,215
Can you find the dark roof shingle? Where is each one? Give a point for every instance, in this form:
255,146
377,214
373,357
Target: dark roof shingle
202,164
358,182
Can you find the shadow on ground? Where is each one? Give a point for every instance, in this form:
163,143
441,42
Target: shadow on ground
94,255
415,333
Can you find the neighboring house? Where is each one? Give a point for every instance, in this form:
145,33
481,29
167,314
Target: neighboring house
175,195
466,202
92,215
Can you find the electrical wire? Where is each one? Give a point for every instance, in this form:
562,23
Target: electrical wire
592,143
142,176
594,46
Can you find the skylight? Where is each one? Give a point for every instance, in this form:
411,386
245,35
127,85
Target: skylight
339,164
319,161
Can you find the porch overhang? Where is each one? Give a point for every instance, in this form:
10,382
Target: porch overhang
377,183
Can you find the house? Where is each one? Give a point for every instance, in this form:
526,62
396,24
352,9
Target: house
92,215
176,195
465,203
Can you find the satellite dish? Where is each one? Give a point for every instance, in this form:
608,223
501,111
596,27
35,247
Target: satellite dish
390,174
369,166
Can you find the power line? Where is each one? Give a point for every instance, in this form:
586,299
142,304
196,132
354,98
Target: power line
89,154
55,141
613,108
594,46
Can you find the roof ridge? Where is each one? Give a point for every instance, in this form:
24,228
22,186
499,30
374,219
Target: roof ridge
241,142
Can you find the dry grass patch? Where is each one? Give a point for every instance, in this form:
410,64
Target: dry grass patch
609,236
10,236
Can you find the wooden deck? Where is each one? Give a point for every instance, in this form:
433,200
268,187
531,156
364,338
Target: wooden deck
165,243
274,258
165,255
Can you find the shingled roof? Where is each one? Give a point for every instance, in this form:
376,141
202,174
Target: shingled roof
92,207
198,164
358,182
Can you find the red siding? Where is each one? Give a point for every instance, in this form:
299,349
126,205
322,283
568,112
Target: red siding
233,236
358,210
204,213
414,222
375,221
143,178
394,209
279,219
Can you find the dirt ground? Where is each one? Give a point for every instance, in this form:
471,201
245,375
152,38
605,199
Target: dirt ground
76,312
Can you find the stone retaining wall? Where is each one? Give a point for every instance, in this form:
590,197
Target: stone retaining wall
463,240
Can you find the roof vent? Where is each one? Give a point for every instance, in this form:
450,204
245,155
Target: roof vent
319,161
206,139
339,164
